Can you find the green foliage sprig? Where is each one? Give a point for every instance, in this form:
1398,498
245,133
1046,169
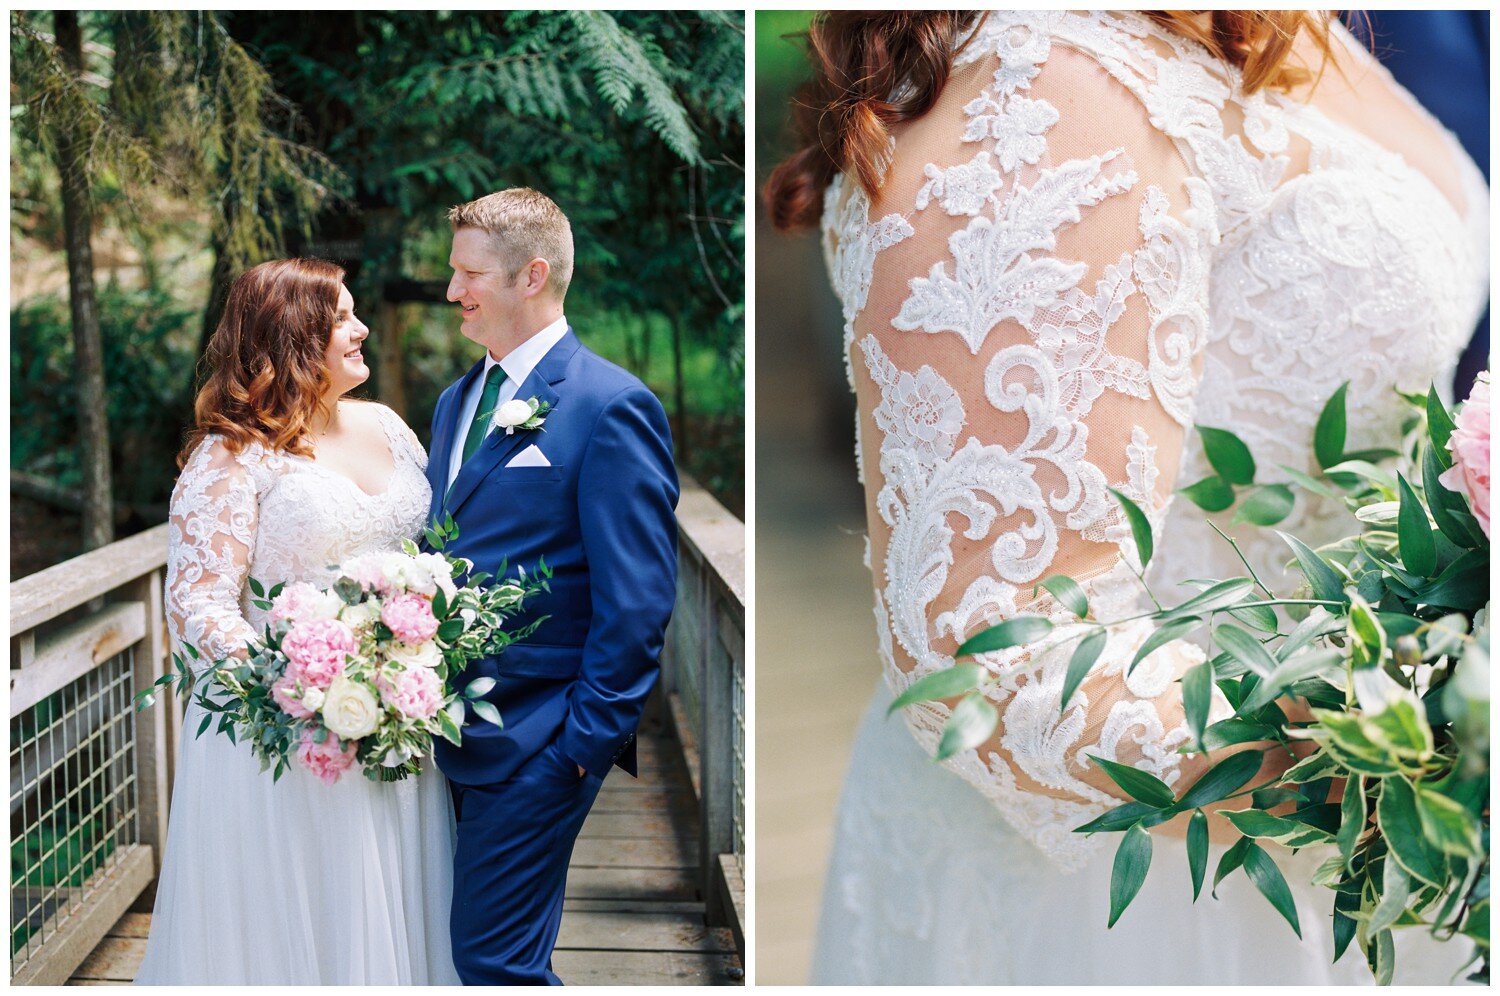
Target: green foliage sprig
1361,713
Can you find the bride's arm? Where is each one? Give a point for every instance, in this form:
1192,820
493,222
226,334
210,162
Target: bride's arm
1037,306
214,515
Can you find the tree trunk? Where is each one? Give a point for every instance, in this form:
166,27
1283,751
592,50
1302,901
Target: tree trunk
218,291
391,352
88,343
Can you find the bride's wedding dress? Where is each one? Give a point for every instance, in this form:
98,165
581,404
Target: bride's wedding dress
291,882
1092,242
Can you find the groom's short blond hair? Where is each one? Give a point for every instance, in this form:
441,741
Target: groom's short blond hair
523,224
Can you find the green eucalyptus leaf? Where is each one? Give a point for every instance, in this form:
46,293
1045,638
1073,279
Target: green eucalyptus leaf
1197,697
1132,861
1269,880
1014,632
1328,436
1401,826
1289,672
1245,648
1084,656
1395,890
1197,850
1228,732
971,723
1217,596
1309,483
1120,818
1418,552
1344,924
1164,635
1288,833
944,684
1323,579
1212,494
1267,506
1232,858
1448,825
1140,527
1439,426
1261,617
1222,780
1228,455
1319,622
478,687
1068,594
1139,785
487,712
1352,817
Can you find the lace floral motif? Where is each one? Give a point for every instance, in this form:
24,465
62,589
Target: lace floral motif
278,518
1016,366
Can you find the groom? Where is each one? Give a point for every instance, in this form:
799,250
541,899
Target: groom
592,491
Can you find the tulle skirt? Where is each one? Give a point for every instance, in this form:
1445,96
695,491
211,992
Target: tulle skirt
929,884
295,882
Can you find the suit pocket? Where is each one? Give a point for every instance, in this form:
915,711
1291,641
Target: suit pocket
528,475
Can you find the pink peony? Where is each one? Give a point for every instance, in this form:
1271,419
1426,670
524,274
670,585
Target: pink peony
284,691
303,601
317,649
415,694
410,618
1470,445
326,760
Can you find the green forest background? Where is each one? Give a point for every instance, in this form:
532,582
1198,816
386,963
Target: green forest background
200,143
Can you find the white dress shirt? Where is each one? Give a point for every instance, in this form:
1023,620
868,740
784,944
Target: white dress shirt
518,364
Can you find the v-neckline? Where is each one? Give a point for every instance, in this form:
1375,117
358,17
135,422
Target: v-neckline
390,480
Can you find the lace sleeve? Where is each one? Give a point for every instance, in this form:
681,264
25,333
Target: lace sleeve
213,520
1026,301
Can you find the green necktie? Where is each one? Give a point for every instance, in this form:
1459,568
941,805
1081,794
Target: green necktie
485,410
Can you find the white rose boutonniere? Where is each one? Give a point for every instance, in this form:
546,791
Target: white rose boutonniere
521,414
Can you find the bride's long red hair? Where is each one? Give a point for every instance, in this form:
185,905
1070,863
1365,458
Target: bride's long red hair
267,371
843,115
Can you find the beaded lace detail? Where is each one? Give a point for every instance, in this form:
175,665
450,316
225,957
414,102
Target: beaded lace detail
1090,243
276,517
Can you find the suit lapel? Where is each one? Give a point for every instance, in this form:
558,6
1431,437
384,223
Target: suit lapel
498,447
442,439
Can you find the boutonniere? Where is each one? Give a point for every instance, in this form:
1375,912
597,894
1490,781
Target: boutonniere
521,414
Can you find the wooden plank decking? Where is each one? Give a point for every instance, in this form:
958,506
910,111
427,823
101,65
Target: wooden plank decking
632,914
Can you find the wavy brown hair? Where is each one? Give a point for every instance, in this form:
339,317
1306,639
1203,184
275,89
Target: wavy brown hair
266,364
844,114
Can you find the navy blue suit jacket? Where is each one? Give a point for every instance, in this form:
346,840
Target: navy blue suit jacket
602,515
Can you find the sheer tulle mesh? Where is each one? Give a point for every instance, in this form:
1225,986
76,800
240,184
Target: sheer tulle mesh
1091,242
293,881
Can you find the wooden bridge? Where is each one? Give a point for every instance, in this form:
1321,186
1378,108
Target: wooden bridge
655,894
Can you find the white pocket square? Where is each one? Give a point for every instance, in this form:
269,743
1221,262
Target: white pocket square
530,457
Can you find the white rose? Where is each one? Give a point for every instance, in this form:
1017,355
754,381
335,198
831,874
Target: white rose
441,573
349,709
427,655
313,698
512,414
361,616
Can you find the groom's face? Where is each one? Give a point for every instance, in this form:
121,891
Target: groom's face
489,297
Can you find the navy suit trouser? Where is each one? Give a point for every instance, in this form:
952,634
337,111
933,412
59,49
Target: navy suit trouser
515,839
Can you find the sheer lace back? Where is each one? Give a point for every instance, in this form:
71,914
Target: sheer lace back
1092,241
276,517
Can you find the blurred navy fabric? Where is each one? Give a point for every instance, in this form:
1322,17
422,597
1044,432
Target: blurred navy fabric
1443,58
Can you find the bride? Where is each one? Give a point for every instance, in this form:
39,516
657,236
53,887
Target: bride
292,881
1061,240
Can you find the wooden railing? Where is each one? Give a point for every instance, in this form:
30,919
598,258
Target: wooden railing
703,675
89,777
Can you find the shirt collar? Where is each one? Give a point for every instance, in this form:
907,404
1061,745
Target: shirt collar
519,362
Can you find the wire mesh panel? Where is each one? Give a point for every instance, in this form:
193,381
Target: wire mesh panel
73,799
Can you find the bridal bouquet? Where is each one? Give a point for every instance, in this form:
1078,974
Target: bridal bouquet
366,671
1369,688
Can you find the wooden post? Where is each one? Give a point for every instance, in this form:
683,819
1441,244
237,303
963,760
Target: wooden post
151,740
717,743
